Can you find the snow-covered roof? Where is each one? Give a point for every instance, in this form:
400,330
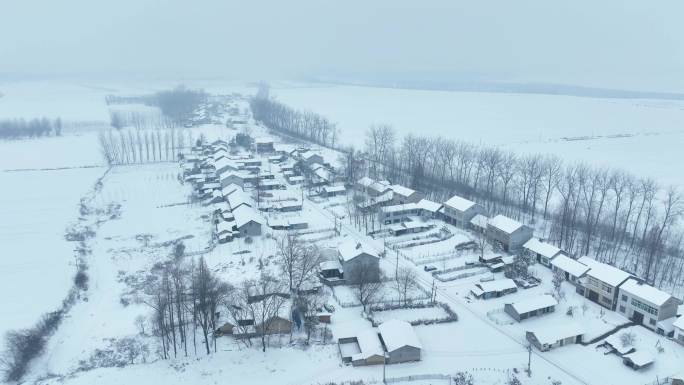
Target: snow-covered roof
401,190
497,285
365,181
351,249
553,332
569,265
428,205
239,198
605,273
224,226
369,344
534,303
231,188
408,225
334,189
480,221
316,166
399,208
667,324
679,323
505,224
330,265
322,173
459,204
379,187
295,178
263,140
646,292
308,154
224,162
615,342
538,247
245,214
640,358
396,334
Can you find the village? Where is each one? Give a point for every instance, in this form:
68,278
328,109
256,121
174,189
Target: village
409,264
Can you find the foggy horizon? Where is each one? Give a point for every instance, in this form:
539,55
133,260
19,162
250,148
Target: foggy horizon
614,44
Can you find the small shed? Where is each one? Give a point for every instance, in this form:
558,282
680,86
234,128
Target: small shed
542,252
571,269
531,307
638,360
332,191
494,289
554,335
400,341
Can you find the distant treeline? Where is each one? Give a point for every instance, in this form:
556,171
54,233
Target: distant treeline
178,104
21,128
300,124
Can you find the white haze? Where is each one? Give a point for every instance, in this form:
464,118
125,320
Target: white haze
626,44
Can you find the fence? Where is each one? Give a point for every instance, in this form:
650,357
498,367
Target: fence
459,276
419,377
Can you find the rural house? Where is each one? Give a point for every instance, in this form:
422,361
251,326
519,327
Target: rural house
247,221
572,270
601,282
459,211
404,195
510,233
644,304
554,335
542,252
679,330
359,262
399,341
531,307
494,289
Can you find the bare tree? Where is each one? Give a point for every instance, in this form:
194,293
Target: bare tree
367,289
404,283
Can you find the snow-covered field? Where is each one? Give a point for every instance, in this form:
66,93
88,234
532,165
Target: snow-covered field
642,136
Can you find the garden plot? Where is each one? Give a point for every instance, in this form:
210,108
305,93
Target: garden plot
434,312
439,249
453,275
346,296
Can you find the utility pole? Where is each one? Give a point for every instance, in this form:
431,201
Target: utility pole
384,366
529,360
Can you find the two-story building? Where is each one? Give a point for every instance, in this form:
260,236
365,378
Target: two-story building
601,282
679,330
359,262
459,211
510,233
644,304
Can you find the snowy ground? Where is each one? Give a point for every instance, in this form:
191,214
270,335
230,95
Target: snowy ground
623,130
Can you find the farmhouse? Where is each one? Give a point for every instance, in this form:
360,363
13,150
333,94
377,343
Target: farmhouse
494,289
459,211
363,184
644,304
223,164
233,177
247,221
428,208
264,145
378,188
309,157
571,269
398,213
541,251
479,223
239,198
601,282
224,231
404,195
554,335
332,191
510,233
359,262
295,179
679,330
399,341
275,325
531,307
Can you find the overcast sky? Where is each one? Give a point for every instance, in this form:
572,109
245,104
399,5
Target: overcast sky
632,44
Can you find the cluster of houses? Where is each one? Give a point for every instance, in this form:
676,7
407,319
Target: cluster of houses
604,284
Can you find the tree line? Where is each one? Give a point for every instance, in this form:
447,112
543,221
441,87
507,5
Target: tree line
299,124
610,214
33,128
129,146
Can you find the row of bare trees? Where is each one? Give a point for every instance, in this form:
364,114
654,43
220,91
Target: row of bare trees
128,146
610,214
299,124
34,128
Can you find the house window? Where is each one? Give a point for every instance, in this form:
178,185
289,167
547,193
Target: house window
606,288
681,337
652,321
644,307
622,309
624,298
